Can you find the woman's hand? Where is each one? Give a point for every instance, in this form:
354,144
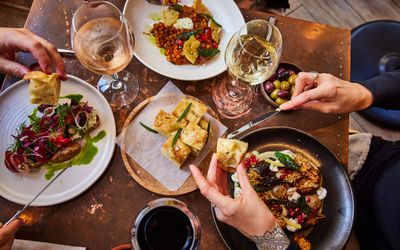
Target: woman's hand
14,40
328,94
7,234
248,213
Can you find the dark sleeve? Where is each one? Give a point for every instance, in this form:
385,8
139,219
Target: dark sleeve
386,90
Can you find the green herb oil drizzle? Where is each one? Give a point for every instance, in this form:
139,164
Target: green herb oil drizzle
85,156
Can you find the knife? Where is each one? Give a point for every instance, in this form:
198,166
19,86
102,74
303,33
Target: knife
19,212
66,53
254,123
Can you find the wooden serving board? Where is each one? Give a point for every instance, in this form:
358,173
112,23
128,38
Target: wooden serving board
141,176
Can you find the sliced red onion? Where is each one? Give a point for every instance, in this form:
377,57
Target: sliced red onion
78,117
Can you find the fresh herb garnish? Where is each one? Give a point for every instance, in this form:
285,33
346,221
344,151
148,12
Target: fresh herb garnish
176,137
287,161
208,52
34,121
210,18
304,206
176,7
208,131
73,97
148,128
184,113
61,111
186,35
17,144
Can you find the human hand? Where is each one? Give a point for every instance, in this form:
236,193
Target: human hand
7,234
14,40
247,213
328,94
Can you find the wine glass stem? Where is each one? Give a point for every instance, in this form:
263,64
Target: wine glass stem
116,83
234,92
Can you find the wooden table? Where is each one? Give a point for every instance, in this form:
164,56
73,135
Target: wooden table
312,46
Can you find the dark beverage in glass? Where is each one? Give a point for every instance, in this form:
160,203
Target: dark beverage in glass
165,228
166,224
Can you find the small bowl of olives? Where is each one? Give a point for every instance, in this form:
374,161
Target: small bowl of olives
280,87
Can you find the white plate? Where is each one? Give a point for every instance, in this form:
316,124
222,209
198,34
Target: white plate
15,106
224,12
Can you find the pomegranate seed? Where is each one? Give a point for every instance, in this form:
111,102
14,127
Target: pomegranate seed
203,37
215,45
308,199
179,42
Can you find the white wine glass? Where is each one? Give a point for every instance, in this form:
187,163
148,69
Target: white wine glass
252,56
103,42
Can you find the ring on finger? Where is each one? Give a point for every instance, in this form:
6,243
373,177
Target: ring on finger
314,75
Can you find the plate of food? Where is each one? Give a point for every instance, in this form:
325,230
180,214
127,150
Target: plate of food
303,184
186,40
73,129
164,135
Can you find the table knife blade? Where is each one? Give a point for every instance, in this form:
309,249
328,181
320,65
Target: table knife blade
19,212
253,123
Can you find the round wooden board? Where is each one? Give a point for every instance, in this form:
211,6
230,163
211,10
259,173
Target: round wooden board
147,181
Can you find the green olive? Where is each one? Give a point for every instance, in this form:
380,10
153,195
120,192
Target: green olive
292,90
279,100
277,84
274,94
285,85
292,79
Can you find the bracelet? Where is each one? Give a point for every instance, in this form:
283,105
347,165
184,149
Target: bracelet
275,240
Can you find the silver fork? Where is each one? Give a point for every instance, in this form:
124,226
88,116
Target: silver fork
271,20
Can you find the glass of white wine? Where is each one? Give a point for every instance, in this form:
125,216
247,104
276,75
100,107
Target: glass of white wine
252,56
103,42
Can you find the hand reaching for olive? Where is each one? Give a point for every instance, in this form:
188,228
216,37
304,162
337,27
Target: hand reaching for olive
247,213
14,40
328,94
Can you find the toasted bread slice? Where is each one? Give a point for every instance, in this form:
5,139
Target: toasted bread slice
230,153
177,153
43,88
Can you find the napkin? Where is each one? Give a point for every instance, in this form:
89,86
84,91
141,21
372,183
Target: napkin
36,245
145,147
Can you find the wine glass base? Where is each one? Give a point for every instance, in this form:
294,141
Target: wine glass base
232,101
119,89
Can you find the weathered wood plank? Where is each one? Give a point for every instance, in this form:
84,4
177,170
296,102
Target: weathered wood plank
335,13
372,9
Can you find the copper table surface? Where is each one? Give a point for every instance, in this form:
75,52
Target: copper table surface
117,197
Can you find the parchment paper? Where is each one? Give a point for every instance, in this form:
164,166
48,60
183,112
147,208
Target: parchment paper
145,147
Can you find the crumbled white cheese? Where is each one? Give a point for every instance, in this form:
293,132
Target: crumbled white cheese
321,192
289,153
290,228
234,178
184,23
293,196
237,192
273,168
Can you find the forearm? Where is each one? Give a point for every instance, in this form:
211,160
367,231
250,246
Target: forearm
385,89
